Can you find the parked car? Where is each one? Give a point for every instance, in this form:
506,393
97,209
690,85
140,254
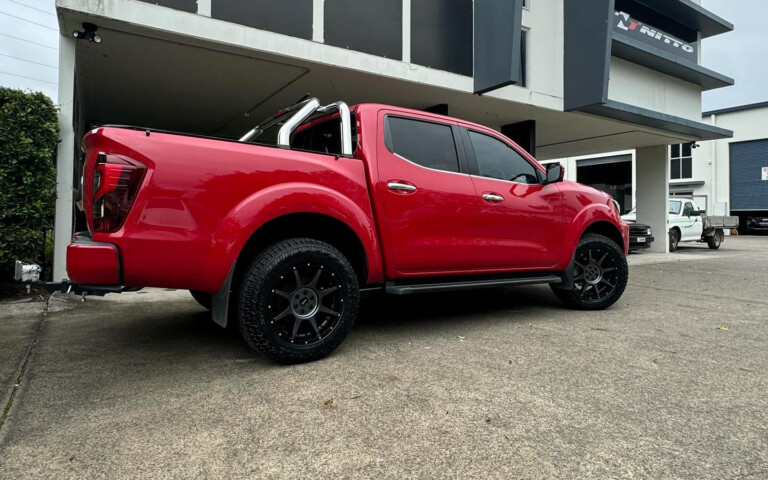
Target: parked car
687,223
756,224
280,237
640,234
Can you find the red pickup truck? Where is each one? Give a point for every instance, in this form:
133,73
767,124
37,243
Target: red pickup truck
281,230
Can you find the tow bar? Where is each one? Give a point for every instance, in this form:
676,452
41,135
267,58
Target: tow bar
29,273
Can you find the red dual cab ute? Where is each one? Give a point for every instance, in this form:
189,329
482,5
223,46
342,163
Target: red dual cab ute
279,231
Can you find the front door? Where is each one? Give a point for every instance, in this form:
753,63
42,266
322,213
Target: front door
520,220
429,211
690,224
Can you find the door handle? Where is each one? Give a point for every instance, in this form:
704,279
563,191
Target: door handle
401,187
493,198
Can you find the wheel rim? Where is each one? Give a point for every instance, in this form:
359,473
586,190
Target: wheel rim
718,239
674,240
594,273
305,304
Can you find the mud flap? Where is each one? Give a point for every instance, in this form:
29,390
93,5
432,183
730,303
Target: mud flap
220,301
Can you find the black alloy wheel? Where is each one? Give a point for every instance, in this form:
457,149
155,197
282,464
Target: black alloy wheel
298,300
306,304
600,275
594,275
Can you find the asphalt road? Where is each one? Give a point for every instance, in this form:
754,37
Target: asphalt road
669,383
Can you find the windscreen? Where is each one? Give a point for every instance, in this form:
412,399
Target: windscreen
674,206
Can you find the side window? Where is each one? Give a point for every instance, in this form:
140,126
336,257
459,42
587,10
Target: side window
427,144
688,209
496,159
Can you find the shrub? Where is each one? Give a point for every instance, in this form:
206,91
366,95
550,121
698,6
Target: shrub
29,134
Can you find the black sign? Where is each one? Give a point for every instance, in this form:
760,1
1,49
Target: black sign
654,37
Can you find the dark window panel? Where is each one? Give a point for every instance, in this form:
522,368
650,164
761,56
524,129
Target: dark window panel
675,151
687,164
675,169
427,144
686,149
441,35
183,5
524,59
369,26
289,17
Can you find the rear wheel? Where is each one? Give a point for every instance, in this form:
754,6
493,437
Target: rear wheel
298,300
715,240
674,240
205,299
599,277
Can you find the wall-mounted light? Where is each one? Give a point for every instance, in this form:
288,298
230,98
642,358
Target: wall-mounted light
88,33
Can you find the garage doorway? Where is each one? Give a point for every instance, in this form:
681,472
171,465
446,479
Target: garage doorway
612,175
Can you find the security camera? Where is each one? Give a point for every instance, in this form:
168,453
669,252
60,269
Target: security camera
88,33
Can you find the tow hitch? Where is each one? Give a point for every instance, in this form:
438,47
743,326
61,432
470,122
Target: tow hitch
29,273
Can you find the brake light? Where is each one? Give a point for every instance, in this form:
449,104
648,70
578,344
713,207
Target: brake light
116,181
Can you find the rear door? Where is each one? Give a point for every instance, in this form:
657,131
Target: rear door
429,211
520,220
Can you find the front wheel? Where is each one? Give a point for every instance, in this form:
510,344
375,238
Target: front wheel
600,275
298,301
715,240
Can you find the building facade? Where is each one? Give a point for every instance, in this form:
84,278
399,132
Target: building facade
725,177
560,77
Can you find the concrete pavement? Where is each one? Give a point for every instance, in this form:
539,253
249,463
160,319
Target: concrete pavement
669,383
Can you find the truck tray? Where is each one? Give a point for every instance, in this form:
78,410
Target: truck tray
720,222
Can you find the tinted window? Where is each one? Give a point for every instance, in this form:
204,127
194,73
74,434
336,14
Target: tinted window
688,209
496,159
427,144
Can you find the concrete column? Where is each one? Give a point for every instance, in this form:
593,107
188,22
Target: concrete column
65,162
204,8
318,21
407,31
652,193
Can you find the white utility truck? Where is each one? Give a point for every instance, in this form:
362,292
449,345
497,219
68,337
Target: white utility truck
688,223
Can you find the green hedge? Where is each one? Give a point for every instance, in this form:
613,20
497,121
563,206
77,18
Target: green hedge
29,134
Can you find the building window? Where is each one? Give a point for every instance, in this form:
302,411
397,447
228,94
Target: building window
527,4
524,59
681,161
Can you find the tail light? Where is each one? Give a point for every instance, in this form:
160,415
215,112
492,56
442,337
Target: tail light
116,181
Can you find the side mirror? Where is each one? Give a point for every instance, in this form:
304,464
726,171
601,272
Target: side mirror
555,173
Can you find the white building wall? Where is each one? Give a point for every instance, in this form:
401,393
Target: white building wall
643,87
29,46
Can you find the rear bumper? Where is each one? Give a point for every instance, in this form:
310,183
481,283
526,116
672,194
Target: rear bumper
93,263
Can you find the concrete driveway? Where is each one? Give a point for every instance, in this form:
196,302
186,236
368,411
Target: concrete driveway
672,382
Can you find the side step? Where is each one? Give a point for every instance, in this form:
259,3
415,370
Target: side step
396,288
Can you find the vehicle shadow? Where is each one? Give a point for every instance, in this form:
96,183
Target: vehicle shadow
407,311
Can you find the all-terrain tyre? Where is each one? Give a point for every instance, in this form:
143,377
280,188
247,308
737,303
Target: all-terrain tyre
715,240
600,275
674,240
205,299
298,300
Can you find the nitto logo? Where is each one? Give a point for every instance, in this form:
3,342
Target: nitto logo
627,23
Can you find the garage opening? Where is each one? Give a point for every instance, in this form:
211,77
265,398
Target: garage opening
612,175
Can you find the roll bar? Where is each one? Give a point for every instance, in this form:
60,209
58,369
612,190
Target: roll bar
303,111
